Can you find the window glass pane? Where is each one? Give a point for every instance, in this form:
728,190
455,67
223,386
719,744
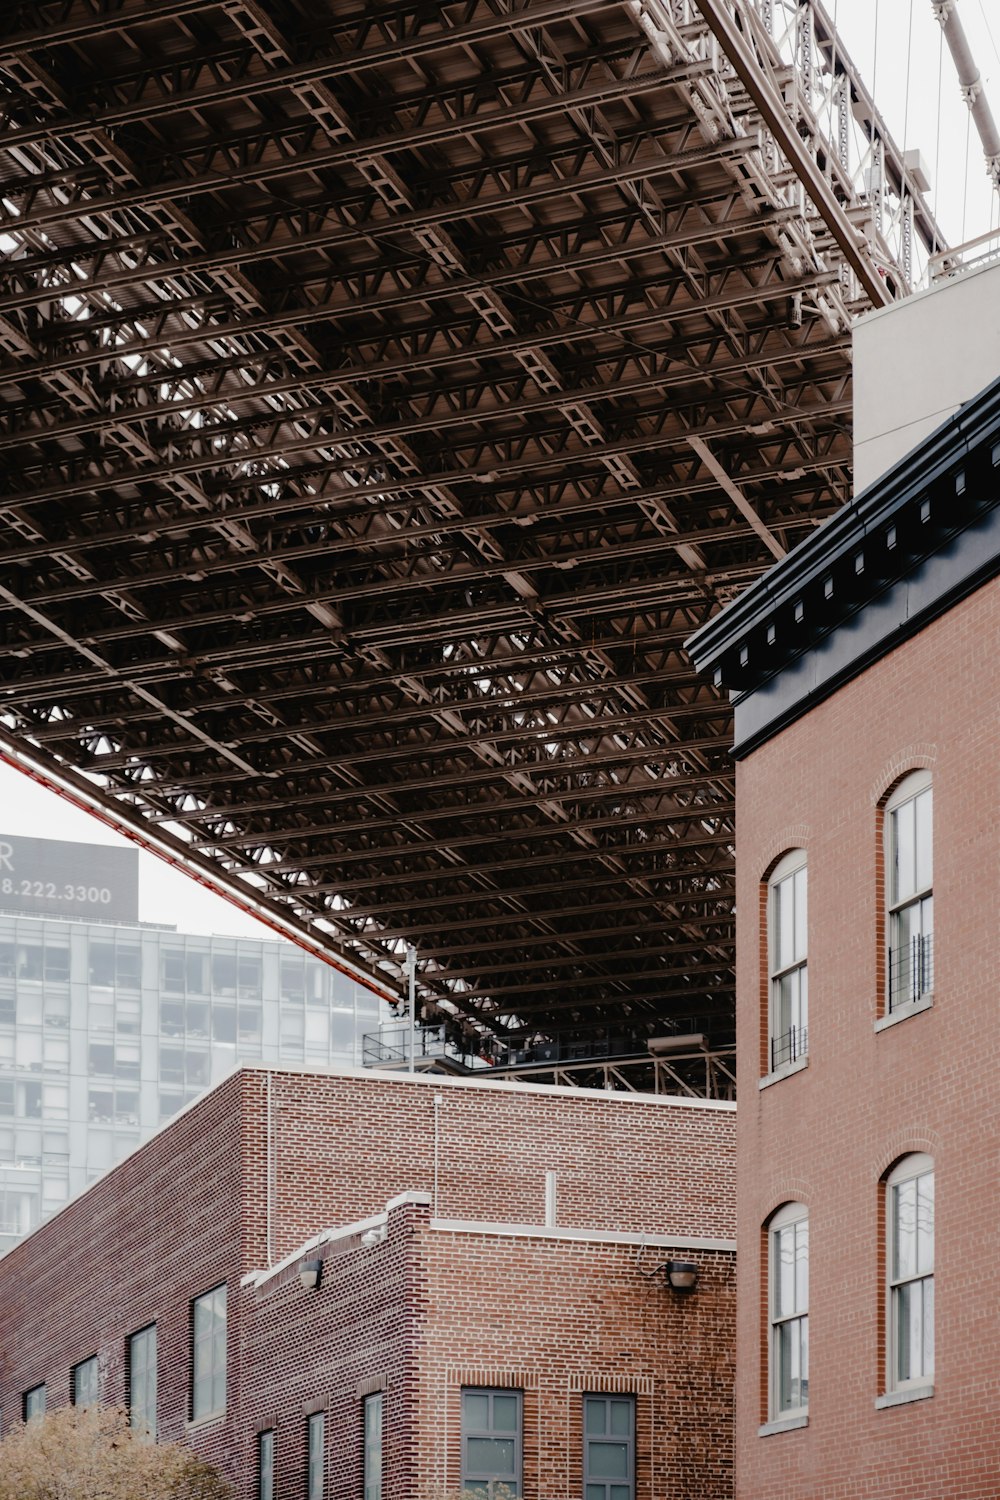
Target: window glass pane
373,1447
905,1194
925,1223
608,1460
476,1410
490,1455
34,1403
265,1461
925,849
224,1023
903,823
801,913
505,1413
801,1265
594,1416
142,1381
209,1338
85,1382
317,1427
785,924
621,1418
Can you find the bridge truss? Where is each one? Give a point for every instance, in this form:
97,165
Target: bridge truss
389,389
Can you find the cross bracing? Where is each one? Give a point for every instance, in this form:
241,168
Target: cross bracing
388,392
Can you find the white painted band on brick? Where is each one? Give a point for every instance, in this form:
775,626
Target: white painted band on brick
331,1236
599,1098
589,1236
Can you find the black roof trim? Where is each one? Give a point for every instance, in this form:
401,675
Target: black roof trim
932,494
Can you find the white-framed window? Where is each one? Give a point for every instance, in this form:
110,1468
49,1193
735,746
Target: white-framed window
910,1266
208,1336
787,928
909,860
788,1277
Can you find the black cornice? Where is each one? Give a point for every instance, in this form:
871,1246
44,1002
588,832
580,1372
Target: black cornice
940,491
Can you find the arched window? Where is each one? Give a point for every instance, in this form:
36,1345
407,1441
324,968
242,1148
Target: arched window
788,1276
909,864
909,1217
788,976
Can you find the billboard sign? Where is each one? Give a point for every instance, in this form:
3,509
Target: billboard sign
53,878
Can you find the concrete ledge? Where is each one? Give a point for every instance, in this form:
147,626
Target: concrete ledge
783,1072
904,1012
784,1424
902,1398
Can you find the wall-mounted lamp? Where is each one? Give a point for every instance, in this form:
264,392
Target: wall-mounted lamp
311,1274
682,1275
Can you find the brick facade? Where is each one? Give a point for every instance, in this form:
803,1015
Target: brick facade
469,1286
827,1135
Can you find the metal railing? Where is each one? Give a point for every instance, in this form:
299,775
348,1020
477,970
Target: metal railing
789,1046
390,1047
911,971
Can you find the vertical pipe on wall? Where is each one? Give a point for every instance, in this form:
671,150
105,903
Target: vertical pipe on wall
269,1175
438,1101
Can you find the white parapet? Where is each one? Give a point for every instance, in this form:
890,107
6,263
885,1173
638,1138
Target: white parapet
917,361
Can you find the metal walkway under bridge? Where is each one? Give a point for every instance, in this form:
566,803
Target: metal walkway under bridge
388,389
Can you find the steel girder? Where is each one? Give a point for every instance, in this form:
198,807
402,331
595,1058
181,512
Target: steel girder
377,384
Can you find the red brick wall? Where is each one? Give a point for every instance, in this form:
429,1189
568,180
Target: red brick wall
559,1319
323,1349
344,1145
157,1231
827,1134
189,1210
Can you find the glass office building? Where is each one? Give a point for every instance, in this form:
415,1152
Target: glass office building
108,1028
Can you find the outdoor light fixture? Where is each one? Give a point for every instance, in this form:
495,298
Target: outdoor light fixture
311,1274
682,1275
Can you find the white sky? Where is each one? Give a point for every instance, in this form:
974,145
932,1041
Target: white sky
903,73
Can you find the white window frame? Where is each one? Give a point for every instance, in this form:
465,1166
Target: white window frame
795,968
791,1226
903,1283
910,959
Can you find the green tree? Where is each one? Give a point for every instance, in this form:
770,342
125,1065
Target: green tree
77,1453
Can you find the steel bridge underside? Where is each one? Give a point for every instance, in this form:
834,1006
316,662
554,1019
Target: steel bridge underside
388,391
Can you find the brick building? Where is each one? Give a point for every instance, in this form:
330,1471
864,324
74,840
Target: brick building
866,679
488,1302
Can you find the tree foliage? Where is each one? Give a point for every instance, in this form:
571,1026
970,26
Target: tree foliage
78,1453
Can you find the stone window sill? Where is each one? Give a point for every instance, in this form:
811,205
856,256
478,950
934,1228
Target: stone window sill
785,1071
783,1424
902,1398
904,1012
